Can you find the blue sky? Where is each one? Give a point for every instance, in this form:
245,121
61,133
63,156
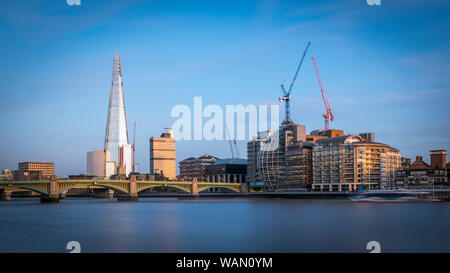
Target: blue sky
386,69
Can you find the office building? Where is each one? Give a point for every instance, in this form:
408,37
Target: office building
162,155
34,171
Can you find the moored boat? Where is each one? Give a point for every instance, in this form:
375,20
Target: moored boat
394,196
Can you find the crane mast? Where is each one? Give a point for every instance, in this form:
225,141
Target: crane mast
328,115
134,147
287,94
235,152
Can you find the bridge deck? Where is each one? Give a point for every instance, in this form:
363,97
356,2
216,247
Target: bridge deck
132,186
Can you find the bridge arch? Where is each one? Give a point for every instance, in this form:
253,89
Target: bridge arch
106,186
31,188
229,188
160,186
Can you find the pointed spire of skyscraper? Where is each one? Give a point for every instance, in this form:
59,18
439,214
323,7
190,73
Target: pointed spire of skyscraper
116,129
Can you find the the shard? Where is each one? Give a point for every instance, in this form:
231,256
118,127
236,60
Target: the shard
116,137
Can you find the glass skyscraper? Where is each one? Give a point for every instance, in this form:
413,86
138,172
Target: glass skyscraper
116,137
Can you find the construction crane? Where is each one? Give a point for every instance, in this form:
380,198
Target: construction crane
235,152
236,149
286,97
328,115
134,147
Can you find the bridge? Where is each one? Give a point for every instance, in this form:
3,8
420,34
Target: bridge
54,189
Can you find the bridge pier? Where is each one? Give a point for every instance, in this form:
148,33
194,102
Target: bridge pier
53,195
5,195
243,188
194,187
132,189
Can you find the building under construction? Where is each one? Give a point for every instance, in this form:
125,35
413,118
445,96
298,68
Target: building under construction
323,160
326,159
277,158
263,160
299,165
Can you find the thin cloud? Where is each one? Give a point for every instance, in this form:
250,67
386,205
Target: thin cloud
323,8
431,66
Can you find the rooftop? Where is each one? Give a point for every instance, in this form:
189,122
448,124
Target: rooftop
419,164
237,161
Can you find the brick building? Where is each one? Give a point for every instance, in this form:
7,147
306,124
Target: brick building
419,173
194,167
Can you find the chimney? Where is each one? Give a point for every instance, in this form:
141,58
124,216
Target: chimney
438,159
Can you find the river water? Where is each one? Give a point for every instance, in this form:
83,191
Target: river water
223,225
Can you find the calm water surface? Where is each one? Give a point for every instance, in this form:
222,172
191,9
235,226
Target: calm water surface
223,225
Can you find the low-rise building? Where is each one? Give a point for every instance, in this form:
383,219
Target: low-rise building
6,175
419,173
231,170
81,177
406,162
194,167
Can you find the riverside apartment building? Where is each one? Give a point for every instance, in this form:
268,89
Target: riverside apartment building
348,162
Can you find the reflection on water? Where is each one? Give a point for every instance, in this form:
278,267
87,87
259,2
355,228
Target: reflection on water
223,225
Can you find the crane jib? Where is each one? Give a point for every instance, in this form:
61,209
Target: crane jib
324,96
286,95
298,68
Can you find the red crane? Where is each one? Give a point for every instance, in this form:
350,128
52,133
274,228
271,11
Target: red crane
328,114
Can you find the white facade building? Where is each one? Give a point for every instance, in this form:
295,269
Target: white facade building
96,161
